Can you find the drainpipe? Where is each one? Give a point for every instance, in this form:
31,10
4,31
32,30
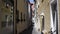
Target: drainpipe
57,14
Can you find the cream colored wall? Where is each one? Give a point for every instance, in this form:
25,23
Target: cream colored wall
45,7
59,16
22,7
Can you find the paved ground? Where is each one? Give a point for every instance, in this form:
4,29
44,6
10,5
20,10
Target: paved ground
36,28
35,32
28,30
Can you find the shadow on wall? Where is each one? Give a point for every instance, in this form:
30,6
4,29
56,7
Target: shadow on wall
28,30
7,30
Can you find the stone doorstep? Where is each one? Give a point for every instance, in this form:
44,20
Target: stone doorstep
46,31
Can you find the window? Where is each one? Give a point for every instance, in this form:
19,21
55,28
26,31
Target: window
43,23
